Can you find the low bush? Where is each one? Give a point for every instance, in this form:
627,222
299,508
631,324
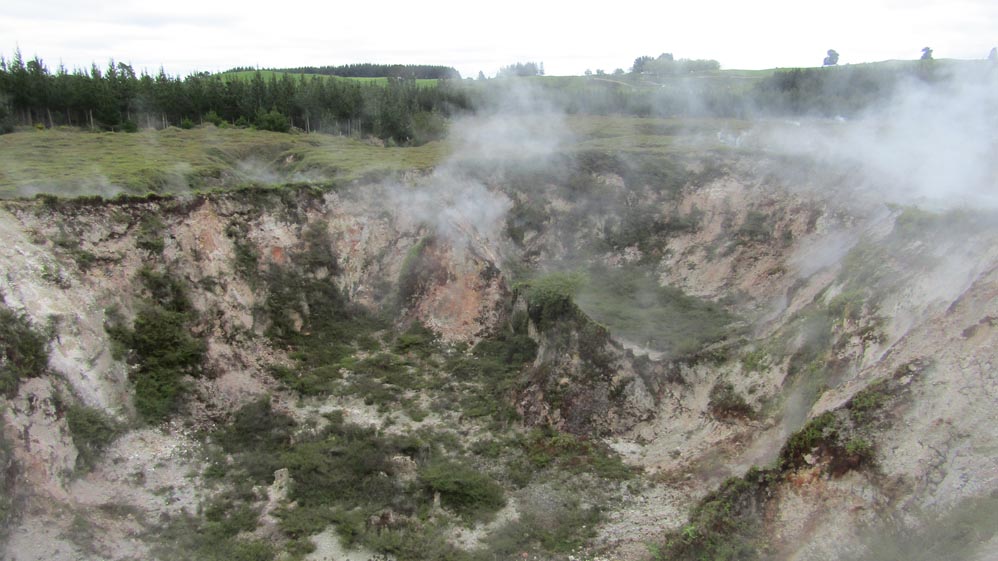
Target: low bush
92,431
255,438
462,488
550,298
23,350
563,528
725,402
161,346
150,235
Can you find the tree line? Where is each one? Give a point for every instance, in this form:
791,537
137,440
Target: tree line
118,98
401,112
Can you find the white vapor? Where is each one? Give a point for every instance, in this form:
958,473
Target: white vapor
931,144
520,126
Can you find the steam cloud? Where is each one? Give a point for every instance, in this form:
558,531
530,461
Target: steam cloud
932,144
521,125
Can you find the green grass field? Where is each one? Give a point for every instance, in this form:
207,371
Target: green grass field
72,162
268,74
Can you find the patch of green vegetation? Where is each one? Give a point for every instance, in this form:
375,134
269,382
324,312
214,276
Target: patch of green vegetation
725,525
868,400
92,431
346,474
161,345
560,528
841,436
8,482
462,488
71,245
342,475
418,340
493,369
647,227
755,361
631,303
255,437
307,313
550,298
150,236
823,430
726,403
545,448
213,537
246,256
23,350
756,227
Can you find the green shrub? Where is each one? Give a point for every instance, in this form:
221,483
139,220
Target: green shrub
549,298
8,481
213,118
822,429
724,525
161,345
417,340
186,123
755,228
867,401
247,258
548,448
462,488
255,438
563,528
71,244
23,350
755,361
92,431
302,522
272,120
725,402
190,537
345,465
150,236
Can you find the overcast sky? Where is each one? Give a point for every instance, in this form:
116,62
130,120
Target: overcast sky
568,37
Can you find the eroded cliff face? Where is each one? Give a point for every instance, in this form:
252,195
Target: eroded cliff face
74,269
815,302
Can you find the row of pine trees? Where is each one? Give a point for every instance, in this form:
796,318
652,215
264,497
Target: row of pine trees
118,98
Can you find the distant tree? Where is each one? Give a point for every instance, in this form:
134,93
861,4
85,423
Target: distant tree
832,59
520,69
600,72
639,64
589,72
667,65
926,53
540,70
993,55
618,72
481,75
